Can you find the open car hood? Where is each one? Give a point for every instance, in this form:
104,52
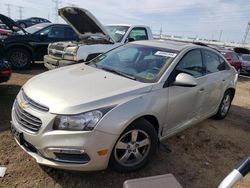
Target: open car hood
10,23
84,23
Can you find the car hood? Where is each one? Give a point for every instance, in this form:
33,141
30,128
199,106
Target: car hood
79,88
10,23
84,23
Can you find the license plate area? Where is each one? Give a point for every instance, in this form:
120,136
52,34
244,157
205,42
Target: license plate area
18,135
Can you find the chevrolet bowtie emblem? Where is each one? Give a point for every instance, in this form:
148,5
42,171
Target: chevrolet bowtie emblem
23,105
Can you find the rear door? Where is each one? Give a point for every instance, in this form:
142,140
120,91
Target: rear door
216,78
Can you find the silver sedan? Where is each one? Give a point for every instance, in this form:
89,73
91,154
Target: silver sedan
114,110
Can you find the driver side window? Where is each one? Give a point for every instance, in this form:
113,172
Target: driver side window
191,64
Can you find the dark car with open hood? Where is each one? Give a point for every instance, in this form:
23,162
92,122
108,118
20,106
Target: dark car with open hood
24,46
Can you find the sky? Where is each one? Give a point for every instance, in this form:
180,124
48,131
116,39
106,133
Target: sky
213,19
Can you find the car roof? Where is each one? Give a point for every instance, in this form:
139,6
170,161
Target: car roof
168,44
48,24
127,25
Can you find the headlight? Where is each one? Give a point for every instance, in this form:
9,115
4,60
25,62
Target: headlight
68,56
80,122
71,53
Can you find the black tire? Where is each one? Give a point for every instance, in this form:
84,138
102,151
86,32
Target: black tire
23,25
142,126
19,58
222,112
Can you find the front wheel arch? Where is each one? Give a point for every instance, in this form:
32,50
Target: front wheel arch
138,124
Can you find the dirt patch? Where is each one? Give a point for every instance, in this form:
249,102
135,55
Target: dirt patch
201,156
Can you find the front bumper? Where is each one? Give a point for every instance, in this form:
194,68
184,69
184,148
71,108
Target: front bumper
38,144
52,63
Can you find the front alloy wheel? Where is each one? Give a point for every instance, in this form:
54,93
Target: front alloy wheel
134,147
19,58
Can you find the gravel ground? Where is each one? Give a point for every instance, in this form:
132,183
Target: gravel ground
201,155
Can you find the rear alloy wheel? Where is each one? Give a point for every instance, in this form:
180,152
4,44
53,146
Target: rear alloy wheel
19,58
134,147
224,106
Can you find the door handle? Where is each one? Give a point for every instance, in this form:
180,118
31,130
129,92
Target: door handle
202,89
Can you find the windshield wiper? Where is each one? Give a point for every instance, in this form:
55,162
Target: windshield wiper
119,73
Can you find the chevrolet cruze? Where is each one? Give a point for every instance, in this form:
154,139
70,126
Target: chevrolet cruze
116,109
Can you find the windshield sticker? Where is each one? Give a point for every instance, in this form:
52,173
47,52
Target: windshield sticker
166,54
120,32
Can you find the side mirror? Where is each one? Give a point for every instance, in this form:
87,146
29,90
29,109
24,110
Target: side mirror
185,80
130,40
42,36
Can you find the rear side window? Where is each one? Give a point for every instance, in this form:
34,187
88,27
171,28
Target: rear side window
138,34
213,62
191,64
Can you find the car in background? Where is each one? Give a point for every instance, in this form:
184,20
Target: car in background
31,44
232,58
245,63
95,38
4,30
24,23
5,71
114,110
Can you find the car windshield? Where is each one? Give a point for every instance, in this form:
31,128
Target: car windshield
34,28
138,62
246,57
117,32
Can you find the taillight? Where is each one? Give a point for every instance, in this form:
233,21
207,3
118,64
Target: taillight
6,72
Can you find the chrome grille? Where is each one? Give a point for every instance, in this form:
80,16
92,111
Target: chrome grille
56,50
33,103
56,53
26,120
56,47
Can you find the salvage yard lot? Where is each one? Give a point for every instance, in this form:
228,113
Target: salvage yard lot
201,156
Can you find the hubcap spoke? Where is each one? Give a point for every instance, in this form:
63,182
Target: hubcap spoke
134,135
125,157
138,155
121,145
142,143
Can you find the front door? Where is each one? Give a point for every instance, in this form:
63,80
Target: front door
185,102
49,35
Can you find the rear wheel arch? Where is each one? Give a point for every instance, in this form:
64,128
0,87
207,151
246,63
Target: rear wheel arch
232,91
